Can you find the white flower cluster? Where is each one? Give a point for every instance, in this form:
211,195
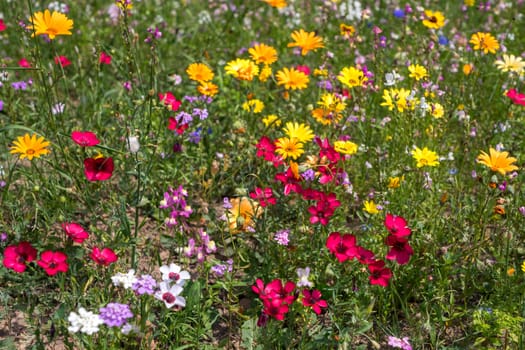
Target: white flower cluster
84,321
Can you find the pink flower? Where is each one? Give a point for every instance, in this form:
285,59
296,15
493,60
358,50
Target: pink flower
2,25
62,60
104,58
397,225
313,299
85,138
516,97
16,256
53,262
103,257
98,169
179,128
264,196
169,100
75,232
304,69
400,250
343,247
379,274
24,63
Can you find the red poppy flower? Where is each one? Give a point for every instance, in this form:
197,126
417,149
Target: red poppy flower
85,138
75,232
379,274
16,256
63,61
397,225
98,169
24,63
342,246
516,97
53,262
264,196
169,100
2,25
104,58
313,299
104,257
400,250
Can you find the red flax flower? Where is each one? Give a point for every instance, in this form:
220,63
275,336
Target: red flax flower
169,100
62,60
103,257
312,298
516,97
2,25
400,250
342,246
84,138
16,256
290,181
275,298
264,196
104,58
324,209
179,128
75,232
53,262
98,169
379,274
266,149
397,225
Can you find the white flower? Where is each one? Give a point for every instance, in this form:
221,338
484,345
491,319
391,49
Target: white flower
133,144
58,108
130,328
170,295
303,275
173,273
391,78
85,321
125,280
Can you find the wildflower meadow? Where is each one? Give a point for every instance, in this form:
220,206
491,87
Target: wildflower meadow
262,174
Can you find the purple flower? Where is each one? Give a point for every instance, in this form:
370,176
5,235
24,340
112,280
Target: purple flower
183,118
1,105
3,236
281,237
399,13
195,136
115,314
399,343
145,284
308,175
201,113
19,85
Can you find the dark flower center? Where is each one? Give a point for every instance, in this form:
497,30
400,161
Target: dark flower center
174,276
168,297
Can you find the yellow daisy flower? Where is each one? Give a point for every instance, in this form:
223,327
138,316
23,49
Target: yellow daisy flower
497,161
417,72
208,89
199,72
425,157
434,19
301,132
52,24
292,79
351,77
289,148
30,146
510,63
485,42
262,53
306,41
276,3
242,69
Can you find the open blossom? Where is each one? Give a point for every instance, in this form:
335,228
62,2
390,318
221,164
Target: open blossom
75,232
17,256
84,321
53,262
170,294
174,274
125,280
145,284
115,314
104,256
98,168
312,299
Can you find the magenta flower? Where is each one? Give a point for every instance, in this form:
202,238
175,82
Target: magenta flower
400,250
397,225
53,262
103,257
104,58
75,232
170,101
379,274
85,138
17,256
516,97
98,169
313,299
343,247
264,196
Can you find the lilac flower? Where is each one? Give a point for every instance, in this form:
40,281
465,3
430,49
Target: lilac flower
195,136
191,99
202,113
115,314
58,108
145,284
3,237
308,175
281,237
170,295
226,203
1,105
183,118
127,85
399,343
522,210
19,85
220,269
174,274
303,275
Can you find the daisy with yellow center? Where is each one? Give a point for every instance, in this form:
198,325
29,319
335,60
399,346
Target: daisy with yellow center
30,146
510,63
276,3
436,109
289,148
498,161
301,132
208,89
262,53
292,79
255,106
484,42
347,31
395,182
417,72
52,24
306,41
242,69
242,214
352,77
199,72
345,147
434,19
425,157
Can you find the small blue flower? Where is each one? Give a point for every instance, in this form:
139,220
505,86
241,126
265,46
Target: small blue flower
398,13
